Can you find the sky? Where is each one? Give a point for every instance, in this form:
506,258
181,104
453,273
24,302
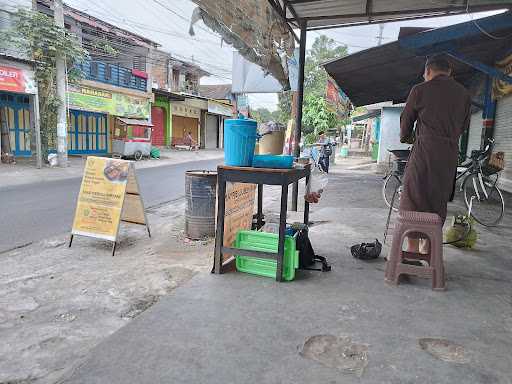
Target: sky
167,22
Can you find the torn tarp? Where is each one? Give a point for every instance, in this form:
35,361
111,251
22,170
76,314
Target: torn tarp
254,29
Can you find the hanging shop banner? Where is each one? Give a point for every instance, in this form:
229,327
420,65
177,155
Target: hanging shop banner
220,108
116,104
18,80
502,88
239,211
108,195
336,99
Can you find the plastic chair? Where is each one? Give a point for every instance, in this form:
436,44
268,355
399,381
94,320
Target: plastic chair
430,226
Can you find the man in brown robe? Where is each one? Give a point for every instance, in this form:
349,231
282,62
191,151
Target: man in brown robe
440,107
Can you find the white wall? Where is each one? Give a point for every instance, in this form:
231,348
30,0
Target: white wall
389,133
475,132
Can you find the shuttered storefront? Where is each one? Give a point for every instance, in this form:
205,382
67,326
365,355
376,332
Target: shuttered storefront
159,125
475,132
181,126
503,138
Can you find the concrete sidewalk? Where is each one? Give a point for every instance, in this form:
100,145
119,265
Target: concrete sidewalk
237,328
25,172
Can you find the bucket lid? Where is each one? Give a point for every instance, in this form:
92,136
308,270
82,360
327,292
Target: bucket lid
240,121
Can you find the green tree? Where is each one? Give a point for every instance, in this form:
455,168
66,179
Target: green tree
36,36
315,76
315,82
317,116
261,115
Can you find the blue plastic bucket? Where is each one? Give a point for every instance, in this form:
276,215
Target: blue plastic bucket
239,142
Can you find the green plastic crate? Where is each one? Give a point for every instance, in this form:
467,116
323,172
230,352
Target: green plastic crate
266,242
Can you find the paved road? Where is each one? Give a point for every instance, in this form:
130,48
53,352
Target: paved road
33,212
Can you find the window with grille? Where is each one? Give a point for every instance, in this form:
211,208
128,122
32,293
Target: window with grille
108,72
139,62
127,78
94,69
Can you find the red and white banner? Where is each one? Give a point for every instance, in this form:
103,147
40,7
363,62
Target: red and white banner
18,80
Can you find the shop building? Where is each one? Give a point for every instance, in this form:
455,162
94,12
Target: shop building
218,111
19,109
221,106
19,105
161,116
187,117
116,84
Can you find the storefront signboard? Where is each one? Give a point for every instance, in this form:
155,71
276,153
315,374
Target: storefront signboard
220,108
18,80
185,110
116,104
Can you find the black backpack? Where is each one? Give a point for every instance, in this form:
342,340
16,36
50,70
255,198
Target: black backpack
307,256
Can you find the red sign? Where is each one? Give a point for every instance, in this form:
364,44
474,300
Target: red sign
332,93
12,79
16,80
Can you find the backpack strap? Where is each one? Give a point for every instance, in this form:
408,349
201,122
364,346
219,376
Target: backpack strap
325,265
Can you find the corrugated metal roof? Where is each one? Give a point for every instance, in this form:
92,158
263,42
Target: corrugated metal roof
388,72
329,13
366,116
216,91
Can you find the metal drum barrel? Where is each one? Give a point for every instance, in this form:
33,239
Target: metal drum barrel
201,193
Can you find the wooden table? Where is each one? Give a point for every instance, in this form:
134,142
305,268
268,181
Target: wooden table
260,177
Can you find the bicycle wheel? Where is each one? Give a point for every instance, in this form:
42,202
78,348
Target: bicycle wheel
488,205
392,183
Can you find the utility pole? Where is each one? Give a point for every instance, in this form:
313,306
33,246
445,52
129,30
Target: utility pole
35,110
381,29
62,150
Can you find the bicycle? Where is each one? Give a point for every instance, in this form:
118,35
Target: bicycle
479,181
392,187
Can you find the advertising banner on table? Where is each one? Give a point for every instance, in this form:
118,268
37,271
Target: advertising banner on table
239,211
116,104
18,80
108,195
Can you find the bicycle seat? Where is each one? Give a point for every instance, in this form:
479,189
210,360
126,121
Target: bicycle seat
401,154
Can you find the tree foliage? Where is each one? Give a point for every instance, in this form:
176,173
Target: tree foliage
315,76
263,115
36,36
315,82
316,116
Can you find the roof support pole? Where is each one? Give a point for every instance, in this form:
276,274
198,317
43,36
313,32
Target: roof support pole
488,70
300,100
488,113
